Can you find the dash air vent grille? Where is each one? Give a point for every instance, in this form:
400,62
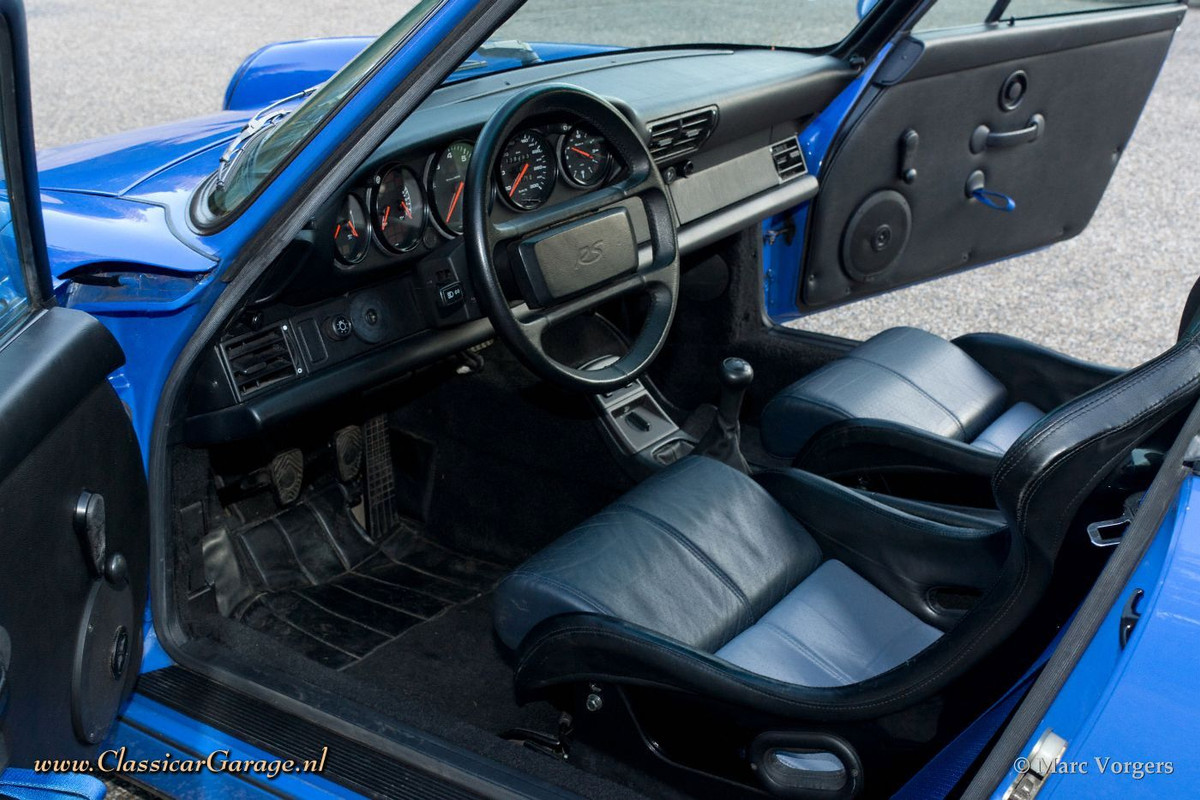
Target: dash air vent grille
788,158
681,135
259,359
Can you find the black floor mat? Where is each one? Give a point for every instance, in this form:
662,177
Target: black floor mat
339,622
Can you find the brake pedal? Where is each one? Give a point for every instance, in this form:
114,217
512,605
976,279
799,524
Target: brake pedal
348,453
287,476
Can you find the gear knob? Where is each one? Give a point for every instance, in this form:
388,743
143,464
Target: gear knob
736,373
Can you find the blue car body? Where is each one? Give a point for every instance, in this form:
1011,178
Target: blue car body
122,248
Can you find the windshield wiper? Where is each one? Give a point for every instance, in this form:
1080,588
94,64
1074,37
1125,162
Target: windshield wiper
523,52
264,119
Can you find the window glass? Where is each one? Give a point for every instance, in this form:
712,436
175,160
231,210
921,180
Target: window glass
954,13
14,299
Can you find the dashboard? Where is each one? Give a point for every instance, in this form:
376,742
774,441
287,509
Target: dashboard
377,285
413,204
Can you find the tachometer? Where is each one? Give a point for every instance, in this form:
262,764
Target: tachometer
351,231
446,183
399,210
585,157
526,171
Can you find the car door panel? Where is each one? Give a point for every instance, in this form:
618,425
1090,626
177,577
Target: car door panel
74,631
74,528
895,206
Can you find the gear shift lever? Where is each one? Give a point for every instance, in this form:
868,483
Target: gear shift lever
723,439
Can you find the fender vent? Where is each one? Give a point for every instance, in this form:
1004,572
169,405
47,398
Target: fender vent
681,135
788,158
259,359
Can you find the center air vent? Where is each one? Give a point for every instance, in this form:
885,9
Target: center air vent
259,359
788,158
681,135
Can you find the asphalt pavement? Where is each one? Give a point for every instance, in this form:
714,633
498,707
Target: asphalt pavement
1113,294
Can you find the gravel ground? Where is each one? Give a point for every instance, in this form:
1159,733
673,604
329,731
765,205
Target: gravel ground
1112,294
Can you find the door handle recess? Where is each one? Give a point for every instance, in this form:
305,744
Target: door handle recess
983,137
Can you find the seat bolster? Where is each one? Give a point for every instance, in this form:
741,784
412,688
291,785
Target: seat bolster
902,553
903,375
1008,427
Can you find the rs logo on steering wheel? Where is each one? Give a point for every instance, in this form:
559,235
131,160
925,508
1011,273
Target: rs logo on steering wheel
590,254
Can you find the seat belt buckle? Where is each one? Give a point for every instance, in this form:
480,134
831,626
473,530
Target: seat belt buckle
1109,532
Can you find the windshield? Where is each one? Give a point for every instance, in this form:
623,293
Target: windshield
655,23
541,30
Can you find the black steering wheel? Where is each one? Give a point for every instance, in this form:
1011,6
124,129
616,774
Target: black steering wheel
572,256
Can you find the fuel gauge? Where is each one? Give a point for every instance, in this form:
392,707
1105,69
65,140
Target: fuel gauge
351,231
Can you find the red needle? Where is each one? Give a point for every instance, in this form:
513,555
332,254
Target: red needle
337,230
386,213
584,153
404,208
353,229
454,202
517,182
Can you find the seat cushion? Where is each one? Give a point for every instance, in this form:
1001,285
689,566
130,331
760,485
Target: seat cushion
698,552
902,375
1007,428
834,629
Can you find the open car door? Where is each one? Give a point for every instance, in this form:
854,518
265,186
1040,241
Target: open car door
975,143
74,533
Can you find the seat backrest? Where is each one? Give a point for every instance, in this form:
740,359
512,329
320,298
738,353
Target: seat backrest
1055,466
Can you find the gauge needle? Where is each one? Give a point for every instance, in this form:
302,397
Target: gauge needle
353,230
387,212
584,153
517,182
404,208
337,231
454,202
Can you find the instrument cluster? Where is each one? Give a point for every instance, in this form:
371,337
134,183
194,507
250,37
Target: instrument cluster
409,202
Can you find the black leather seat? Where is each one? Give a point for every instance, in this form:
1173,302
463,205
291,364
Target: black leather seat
908,396
787,603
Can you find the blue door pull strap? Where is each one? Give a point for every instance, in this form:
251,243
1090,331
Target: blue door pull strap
994,199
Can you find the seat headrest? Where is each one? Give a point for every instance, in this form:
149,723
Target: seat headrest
1050,471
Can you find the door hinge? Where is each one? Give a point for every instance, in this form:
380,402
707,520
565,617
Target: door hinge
1037,766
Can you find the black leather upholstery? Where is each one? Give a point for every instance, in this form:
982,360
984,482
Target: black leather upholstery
701,562
903,375
788,602
672,556
923,404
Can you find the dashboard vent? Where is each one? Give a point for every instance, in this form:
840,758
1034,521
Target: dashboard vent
674,137
259,359
788,158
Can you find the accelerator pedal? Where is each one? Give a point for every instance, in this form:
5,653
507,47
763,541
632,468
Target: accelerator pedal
382,514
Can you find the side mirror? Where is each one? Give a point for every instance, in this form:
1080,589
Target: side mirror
864,7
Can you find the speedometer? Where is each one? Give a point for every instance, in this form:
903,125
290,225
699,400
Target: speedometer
526,171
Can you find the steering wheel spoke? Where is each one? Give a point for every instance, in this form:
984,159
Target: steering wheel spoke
587,263
534,222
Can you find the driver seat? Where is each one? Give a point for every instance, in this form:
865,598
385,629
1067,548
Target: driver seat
787,605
